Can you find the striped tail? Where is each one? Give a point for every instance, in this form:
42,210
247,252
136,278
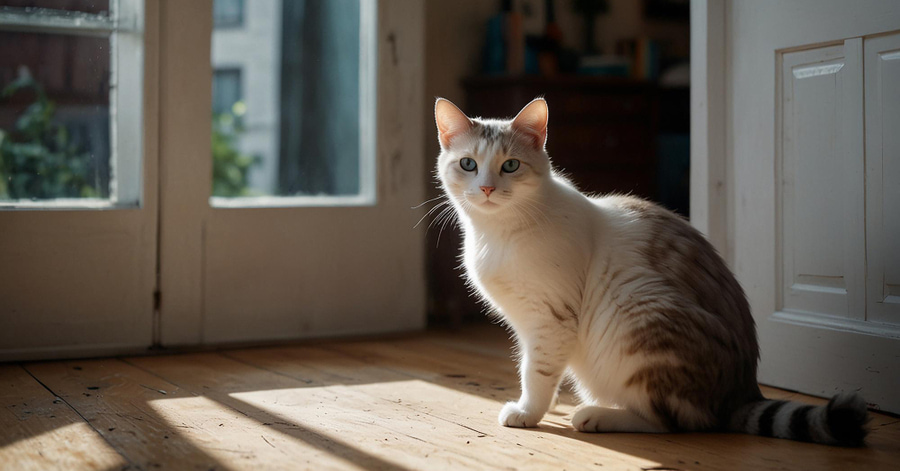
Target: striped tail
841,422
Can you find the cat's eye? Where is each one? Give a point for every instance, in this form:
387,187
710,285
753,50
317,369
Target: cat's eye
510,166
468,164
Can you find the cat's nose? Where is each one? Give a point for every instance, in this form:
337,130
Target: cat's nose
487,190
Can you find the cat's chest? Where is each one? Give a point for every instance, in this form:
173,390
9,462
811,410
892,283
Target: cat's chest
512,270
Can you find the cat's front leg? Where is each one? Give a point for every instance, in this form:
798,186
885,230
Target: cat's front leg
543,363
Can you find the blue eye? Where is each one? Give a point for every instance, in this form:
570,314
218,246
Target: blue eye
510,166
468,164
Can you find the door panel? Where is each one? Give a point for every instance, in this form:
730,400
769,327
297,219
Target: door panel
817,348
82,282
298,272
821,197
882,56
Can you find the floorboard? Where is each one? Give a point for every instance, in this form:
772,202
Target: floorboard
39,431
427,401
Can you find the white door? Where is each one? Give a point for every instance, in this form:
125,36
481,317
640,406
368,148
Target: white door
176,220
812,176
317,237
78,207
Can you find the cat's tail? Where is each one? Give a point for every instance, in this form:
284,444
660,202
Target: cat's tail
841,422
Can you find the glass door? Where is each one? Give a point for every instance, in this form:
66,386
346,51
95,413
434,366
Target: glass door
291,149
78,207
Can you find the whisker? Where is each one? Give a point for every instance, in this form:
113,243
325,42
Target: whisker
453,217
437,220
430,211
428,201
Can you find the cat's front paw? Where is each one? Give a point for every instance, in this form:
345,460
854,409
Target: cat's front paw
588,419
513,415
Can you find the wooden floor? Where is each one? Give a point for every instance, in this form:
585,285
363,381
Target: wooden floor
421,402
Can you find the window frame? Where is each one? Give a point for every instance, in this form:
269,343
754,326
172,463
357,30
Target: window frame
124,26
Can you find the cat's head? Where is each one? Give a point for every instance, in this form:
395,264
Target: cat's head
488,165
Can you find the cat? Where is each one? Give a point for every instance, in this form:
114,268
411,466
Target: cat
621,296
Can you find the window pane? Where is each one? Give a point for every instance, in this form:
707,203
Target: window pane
226,90
86,6
54,116
287,106
228,13
71,87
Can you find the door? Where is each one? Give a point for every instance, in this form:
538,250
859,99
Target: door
811,183
158,190
313,108
78,207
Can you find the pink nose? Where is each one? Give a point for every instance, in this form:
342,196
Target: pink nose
488,189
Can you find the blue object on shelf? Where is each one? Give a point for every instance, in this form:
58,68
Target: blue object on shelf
494,47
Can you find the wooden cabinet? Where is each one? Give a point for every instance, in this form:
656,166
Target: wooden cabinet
602,130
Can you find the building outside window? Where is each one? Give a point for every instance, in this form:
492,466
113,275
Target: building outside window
290,79
228,13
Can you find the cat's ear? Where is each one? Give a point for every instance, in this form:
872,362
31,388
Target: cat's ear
451,122
532,122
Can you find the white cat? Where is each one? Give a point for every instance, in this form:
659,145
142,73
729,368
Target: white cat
623,296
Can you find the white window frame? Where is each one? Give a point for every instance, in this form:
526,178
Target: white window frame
125,28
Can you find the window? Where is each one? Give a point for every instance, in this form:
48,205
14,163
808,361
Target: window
226,91
228,13
70,102
304,105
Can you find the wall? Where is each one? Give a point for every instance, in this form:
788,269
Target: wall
454,34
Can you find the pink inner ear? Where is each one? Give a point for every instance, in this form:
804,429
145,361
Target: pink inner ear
532,120
450,121
538,137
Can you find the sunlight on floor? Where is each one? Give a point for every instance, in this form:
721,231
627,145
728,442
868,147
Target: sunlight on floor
421,403
410,414
195,417
72,447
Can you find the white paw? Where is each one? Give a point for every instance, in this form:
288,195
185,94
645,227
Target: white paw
512,415
587,420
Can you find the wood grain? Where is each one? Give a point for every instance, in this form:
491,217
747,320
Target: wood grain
39,431
416,402
117,400
443,401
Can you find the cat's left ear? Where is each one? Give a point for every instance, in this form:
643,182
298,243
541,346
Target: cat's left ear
532,121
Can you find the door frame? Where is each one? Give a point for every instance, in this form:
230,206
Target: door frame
711,185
